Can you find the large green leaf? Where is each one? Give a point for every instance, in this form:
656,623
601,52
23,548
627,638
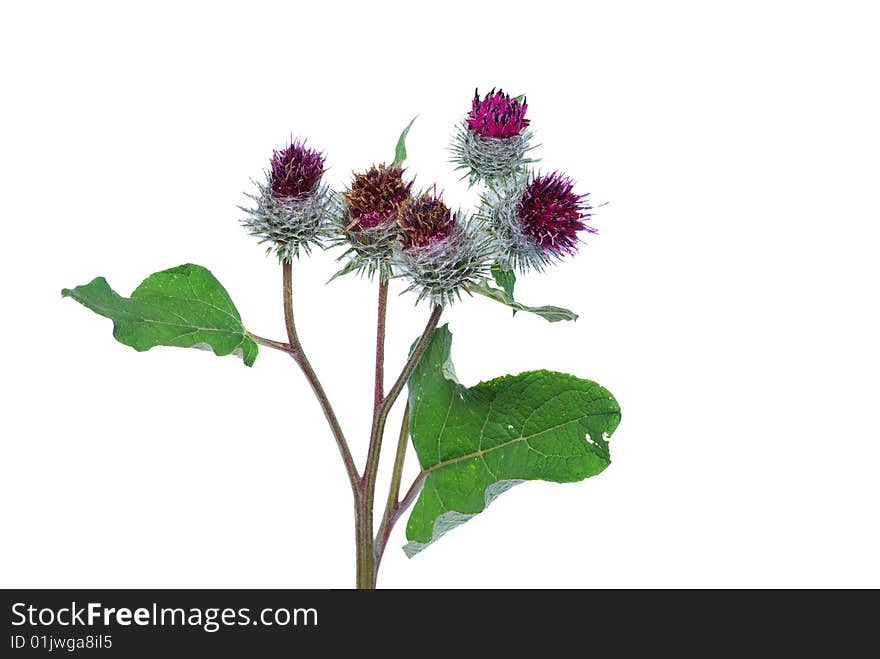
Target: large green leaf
184,307
475,443
506,278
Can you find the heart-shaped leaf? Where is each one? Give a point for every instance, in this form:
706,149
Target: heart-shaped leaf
184,307
475,443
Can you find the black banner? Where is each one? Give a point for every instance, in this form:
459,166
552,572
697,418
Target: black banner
254,623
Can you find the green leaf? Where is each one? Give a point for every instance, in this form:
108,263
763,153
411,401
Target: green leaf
475,443
400,149
184,307
520,98
506,278
350,266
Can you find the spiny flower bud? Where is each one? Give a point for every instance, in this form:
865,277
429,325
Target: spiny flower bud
441,253
292,206
367,222
535,221
493,140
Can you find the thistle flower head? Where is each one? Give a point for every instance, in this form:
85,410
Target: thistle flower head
375,196
425,220
497,115
492,142
367,220
295,170
292,208
551,214
535,221
441,252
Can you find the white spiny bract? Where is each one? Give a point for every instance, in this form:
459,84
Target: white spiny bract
291,225
489,158
498,212
440,270
369,250
535,219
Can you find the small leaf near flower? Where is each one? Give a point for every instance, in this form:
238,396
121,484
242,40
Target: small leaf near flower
400,149
506,278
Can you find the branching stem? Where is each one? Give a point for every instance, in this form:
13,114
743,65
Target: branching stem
394,508
383,409
369,550
372,467
295,350
269,343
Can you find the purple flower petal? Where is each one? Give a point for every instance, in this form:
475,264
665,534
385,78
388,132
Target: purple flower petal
551,214
497,115
295,170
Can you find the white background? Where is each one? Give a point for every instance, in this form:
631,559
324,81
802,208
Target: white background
729,300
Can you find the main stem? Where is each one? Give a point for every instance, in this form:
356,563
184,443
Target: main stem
369,550
367,564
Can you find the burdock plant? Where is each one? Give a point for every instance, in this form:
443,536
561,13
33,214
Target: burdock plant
472,443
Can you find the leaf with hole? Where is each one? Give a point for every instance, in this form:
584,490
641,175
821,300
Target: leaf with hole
184,307
475,443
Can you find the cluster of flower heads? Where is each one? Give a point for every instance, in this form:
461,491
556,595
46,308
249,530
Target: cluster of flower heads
526,220
389,230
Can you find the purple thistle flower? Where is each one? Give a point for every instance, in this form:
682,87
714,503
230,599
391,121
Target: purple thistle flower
293,208
551,214
497,115
492,142
295,171
442,253
425,220
375,197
